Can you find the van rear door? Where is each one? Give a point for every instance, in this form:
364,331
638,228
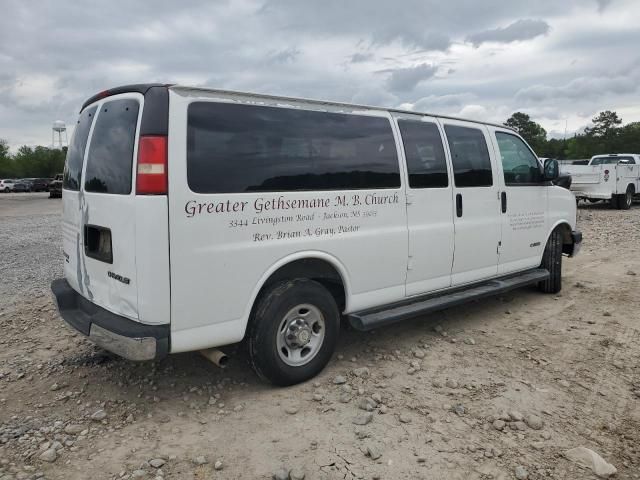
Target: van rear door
99,216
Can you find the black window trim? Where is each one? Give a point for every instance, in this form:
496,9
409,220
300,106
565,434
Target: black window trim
136,137
543,183
433,121
86,149
305,107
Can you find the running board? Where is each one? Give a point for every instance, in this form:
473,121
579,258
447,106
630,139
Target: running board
375,318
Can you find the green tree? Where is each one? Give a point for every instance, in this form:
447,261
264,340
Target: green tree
629,138
605,124
553,148
6,161
603,135
532,132
38,161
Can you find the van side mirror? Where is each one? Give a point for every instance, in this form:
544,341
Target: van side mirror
551,169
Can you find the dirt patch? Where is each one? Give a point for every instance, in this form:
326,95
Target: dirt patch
488,390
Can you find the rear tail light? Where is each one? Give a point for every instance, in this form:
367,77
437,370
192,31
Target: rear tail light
152,165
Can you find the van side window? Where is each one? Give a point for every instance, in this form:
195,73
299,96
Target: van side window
75,154
470,156
519,164
110,158
234,148
424,152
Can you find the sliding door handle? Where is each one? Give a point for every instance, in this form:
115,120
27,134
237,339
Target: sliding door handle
503,201
459,205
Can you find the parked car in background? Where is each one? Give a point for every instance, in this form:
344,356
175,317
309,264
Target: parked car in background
28,182
55,187
21,186
613,177
6,185
39,184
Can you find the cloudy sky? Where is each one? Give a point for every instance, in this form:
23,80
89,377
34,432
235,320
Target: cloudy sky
561,62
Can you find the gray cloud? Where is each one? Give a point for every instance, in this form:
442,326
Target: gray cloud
581,88
406,79
524,29
418,38
55,55
361,57
368,95
443,103
285,55
603,4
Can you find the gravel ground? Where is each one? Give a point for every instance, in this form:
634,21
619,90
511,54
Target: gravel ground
502,388
31,245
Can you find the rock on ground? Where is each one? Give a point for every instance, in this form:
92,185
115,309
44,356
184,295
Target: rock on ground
590,459
521,473
50,455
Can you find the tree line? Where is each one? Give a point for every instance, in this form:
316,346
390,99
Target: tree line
605,135
31,162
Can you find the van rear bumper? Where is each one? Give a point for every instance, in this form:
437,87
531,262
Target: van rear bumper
124,337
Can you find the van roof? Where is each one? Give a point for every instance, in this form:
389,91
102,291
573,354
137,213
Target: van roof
143,87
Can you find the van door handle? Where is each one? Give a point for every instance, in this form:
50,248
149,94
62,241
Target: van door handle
503,201
97,243
459,205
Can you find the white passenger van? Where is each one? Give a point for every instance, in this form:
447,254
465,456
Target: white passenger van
196,218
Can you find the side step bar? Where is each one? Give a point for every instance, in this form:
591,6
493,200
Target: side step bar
370,319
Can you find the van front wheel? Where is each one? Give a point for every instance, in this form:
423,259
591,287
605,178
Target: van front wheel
293,331
552,261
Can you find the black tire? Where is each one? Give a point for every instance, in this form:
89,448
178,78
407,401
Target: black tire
552,261
626,199
614,201
267,317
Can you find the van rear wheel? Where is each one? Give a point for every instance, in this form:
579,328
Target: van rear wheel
293,331
552,261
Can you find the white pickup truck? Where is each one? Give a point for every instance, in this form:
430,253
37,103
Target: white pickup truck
613,177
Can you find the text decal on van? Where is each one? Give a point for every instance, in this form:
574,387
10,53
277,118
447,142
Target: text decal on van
119,278
308,217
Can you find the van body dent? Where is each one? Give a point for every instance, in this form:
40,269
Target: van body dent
195,218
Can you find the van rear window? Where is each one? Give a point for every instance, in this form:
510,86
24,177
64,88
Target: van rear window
110,158
75,154
235,148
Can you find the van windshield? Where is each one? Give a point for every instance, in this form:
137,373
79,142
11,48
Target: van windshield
110,157
611,160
